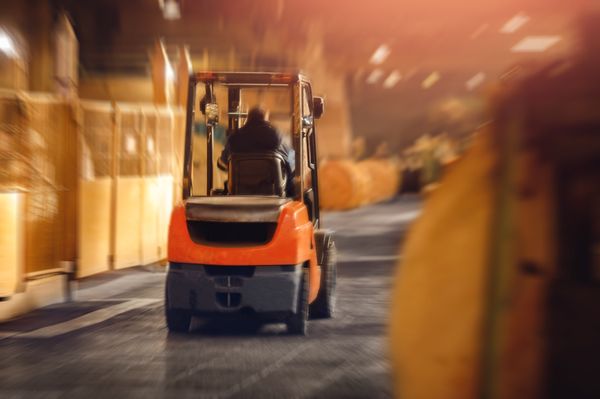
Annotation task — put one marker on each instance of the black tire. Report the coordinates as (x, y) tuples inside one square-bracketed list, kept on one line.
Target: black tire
[(297, 323), (178, 320), (324, 306)]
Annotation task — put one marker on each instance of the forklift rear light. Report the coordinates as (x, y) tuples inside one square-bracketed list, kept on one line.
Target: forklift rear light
[(281, 78), (206, 76)]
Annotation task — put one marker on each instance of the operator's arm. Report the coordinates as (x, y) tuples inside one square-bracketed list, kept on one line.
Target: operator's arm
[(290, 161), (223, 161), (288, 152), (290, 157)]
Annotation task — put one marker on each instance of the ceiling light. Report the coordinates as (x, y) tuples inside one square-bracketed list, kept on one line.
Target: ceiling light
[(130, 144), (169, 73), (374, 76), (515, 23), (7, 45), (535, 44), (380, 55), (392, 79), (475, 81), (171, 10), (511, 73), (431, 80)]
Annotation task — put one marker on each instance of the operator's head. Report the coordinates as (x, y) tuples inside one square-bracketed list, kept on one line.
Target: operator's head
[(257, 114)]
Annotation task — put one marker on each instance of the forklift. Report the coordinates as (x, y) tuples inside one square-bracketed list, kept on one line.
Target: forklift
[(250, 247)]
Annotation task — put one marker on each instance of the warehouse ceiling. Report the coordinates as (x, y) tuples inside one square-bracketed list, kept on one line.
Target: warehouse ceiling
[(406, 61)]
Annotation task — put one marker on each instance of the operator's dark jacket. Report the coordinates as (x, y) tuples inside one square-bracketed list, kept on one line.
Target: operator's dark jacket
[(258, 136)]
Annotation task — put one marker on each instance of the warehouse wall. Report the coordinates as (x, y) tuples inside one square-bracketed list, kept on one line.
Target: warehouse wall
[(84, 183), (11, 242), (127, 184), (38, 145), (334, 128), (116, 88), (37, 158)]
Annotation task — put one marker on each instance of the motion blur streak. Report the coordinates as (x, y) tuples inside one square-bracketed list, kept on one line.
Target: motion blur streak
[(444, 199)]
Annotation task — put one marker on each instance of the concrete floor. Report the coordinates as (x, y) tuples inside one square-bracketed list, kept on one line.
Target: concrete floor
[(111, 342)]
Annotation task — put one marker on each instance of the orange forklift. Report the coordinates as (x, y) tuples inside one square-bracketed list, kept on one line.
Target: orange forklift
[(248, 247)]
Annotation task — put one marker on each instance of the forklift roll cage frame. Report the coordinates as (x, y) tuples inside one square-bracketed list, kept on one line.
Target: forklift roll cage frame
[(303, 127)]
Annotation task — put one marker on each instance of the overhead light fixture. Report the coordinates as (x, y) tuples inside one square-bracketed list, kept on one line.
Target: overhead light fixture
[(374, 76), (430, 80), (169, 73), (380, 55), (7, 45), (171, 10), (392, 79), (150, 145), (511, 73), (130, 144), (535, 44), (515, 23), (475, 81)]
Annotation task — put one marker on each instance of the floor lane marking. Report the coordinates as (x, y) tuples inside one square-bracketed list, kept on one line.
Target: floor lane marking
[(89, 319), (7, 334)]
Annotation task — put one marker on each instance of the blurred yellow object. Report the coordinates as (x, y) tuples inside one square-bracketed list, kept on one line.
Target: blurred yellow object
[(383, 179), (94, 189), (13, 73), (437, 304), (345, 184), (497, 295), (128, 230), (342, 185), (93, 226), (11, 242), (150, 210), (37, 154)]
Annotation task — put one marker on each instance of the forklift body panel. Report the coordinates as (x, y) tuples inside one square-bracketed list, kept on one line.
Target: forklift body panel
[(256, 252)]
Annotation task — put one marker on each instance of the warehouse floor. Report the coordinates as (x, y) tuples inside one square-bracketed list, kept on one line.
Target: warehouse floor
[(111, 341)]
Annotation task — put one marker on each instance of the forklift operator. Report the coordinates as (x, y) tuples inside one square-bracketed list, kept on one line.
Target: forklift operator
[(258, 135)]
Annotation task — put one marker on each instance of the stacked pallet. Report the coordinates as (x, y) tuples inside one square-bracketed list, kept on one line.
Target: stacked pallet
[(346, 184), (384, 178), (342, 185)]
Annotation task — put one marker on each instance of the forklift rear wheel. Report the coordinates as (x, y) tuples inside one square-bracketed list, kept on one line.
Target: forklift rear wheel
[(297, 323), (324, 306), (178, 320)]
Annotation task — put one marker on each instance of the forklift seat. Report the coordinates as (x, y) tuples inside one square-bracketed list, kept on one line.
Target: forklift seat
[(257, 174)]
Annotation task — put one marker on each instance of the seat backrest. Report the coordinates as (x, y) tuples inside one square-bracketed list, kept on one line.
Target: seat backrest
[(257, 174)]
